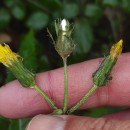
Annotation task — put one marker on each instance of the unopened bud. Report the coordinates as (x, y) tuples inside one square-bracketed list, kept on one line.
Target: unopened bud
[(64, 24), (102, 75), (64, 44)]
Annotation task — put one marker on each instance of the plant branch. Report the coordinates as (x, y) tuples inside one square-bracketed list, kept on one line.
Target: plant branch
[(65, 85), (45, 96), (77, 105)]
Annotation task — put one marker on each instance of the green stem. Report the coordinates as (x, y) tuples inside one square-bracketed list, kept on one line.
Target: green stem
[(65, 85), (40, 6), (77, 105), (45, 96)]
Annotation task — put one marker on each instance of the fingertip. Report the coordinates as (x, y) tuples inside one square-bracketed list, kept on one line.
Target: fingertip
[(46, 122)]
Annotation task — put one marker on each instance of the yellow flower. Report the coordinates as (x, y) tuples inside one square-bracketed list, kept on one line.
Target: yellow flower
[(116, 49), (102, 74), (6, 55), (14, 64)]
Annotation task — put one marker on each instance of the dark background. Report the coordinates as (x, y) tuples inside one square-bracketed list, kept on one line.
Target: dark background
[(98, 24)]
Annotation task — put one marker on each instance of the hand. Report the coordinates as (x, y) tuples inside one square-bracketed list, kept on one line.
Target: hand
[(16, 101)]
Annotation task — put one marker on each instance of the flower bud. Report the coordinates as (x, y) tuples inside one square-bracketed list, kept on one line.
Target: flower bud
[(14, 63), (102, 75), (64, 24), (116, 49), (64, 44)]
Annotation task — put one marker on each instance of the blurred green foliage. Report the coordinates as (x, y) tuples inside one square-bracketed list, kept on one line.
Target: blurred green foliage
[(24, 23)]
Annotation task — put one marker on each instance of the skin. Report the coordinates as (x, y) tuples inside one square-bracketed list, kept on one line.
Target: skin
[(18, 102)]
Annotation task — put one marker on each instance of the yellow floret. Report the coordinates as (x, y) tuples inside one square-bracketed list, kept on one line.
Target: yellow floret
[(6, 55), (116, 49)]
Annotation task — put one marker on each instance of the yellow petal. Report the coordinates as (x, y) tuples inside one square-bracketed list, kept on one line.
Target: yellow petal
[(6, 55), (116, 49)]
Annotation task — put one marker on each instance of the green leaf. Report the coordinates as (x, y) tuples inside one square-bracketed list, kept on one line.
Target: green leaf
[(101, 111), (4, 123), (4, 18), (9, 3), (18, 12), (44, 64), (14, 125), (126, 5), (19, 124), (83, 37), (37, 20), (70, 10), (28, 50), (92, 10), (16, 7), (10, 77), (112, 3)]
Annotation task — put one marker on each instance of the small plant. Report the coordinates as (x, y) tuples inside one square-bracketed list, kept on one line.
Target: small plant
[(64, 45)]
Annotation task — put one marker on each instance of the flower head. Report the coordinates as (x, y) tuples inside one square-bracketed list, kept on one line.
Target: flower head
[(14, 64), (6, 55), (64, 44), (102, 74), (116, 49)]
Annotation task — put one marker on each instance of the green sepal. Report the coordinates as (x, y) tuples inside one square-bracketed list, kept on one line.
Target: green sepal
[(102, 74), (24, 76), (64, 44), (57, 112)]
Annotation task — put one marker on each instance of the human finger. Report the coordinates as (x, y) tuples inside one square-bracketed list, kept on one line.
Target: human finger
[(42, 122), (27, 102)]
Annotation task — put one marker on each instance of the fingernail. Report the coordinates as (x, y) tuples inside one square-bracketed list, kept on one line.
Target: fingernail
[(45, 122)]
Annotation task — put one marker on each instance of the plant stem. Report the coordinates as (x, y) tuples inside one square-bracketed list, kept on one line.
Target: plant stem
[(45, 96), (65, 85), (77, 105), (40, 6)]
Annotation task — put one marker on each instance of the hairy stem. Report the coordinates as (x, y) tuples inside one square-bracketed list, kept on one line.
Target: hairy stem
[(77, 105), (45, 96), (65, 85)]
